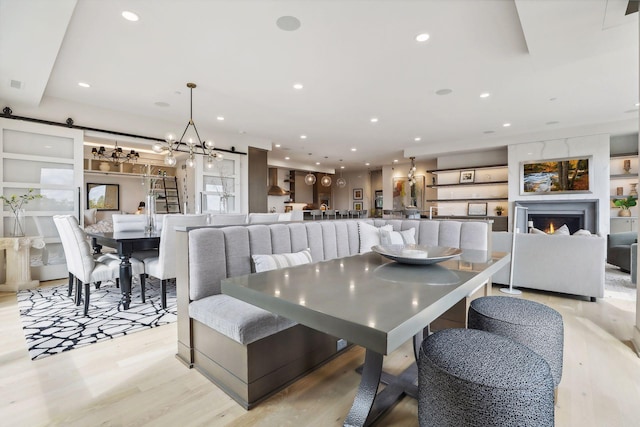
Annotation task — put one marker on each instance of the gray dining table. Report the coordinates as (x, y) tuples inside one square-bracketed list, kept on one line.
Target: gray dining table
[(373, 302)]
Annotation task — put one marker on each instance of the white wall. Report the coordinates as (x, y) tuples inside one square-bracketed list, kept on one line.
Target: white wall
[(594, 146)]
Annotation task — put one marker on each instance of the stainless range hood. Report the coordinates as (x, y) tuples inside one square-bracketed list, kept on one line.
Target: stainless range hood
[(274, 190)]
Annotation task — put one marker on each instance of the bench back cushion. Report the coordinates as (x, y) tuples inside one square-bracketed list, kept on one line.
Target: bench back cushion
[(218, 253)]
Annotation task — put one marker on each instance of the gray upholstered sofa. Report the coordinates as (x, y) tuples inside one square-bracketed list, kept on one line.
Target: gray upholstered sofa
[(251, 353)]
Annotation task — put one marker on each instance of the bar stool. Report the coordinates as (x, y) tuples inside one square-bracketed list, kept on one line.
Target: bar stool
[(328, 213), (343, 213), (468, 377), (316, 212)]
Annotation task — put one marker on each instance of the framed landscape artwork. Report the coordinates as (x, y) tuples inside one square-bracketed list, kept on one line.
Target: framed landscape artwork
[(103, 197), (556, 176)]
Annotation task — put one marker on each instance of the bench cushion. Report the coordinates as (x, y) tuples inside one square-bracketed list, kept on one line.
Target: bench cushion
[(242, 322)]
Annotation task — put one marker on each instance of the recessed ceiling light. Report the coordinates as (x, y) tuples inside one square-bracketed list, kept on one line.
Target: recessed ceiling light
[(422, 37), (288, 23), (637, 104), (443, 92), (506, 125), (303, 136), (417, 139), (342, 167), (367, 164), (220, 118), (83, 84), (161, 104), (287, 158), (298, 86), (277, 145), (485, 95), (48, 146), (354, 149), (130, 16), (395, 160), (317, 163), (374, 120)]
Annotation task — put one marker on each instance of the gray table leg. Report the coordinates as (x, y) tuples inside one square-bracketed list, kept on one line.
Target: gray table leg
[(366, 391)]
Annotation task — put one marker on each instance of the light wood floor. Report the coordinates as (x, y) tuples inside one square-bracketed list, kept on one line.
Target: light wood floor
[(136, 380)]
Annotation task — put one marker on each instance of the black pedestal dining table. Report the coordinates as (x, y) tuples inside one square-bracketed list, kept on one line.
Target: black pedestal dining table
[(125, 243)]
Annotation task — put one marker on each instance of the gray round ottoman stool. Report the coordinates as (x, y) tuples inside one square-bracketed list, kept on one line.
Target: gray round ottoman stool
[(530, 323), (468, 377)]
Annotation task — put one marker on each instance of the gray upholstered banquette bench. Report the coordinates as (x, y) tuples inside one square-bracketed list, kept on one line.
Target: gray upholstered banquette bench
[(251, 353)]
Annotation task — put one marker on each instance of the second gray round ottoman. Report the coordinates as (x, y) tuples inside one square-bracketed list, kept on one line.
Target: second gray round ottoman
[(468, 377), (535, 325)]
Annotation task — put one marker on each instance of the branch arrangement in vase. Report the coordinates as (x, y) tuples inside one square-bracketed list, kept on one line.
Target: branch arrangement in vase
[(16, 203)]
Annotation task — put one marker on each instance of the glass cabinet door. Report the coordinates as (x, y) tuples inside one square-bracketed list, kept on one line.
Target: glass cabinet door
[(47, 159)]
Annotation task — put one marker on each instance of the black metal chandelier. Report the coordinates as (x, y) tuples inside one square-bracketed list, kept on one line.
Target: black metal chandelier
[(171, 143), (116, 155)]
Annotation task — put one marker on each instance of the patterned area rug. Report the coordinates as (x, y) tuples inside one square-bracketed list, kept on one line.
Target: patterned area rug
[(618, 284), (52, 323)]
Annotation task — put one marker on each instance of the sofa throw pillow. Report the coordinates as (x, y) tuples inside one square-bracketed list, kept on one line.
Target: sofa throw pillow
[(276, 261), (562, 231), (398, 237), (536, 231), (90, 216), (582, 232), (370, 235)]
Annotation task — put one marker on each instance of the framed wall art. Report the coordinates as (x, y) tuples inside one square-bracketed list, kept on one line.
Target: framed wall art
[(103, 197), (406, 195), (467, 176), (357, 206), (479, 209), (557, 176), (357, 194)]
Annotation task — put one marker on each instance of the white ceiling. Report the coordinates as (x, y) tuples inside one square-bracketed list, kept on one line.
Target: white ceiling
[(574, 62)]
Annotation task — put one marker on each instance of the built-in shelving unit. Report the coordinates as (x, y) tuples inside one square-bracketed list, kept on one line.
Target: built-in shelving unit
[(291, 179), (460, 192), (623, 184)]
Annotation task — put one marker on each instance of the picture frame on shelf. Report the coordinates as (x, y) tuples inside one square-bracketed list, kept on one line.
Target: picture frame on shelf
[(467, 176), (477, 209), (357, 194), (357, 206)]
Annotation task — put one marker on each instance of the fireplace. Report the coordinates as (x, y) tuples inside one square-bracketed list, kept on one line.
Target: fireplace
[(576, 214), (551, 222)]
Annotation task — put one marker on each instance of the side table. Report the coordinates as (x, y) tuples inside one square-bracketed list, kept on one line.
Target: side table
[(18, 262)]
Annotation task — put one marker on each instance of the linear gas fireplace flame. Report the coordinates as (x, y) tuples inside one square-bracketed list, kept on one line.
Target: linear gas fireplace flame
[(549, 216)]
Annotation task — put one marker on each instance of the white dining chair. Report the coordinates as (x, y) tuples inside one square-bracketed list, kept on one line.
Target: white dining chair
[(124, 223), (163, 266), (82, 264)]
